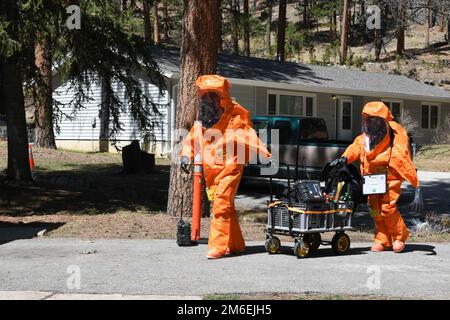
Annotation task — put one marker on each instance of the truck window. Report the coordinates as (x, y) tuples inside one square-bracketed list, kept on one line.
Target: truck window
[(284, 129), (313, 129), (260, 125), (309, 106)]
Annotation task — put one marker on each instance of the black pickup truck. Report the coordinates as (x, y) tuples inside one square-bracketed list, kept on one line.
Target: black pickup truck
[(303, 146)]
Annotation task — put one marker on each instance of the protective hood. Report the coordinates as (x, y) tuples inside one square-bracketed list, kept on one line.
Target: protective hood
[(399, 158), (219, 85), (378, 109), (375, 126)]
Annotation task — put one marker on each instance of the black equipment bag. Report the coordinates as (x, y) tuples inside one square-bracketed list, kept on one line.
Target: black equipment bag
[(350, 175), (308, 191), (184, 233)]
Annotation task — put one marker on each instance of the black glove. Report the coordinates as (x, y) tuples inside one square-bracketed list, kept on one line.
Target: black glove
[(185, 164), (339, 163)]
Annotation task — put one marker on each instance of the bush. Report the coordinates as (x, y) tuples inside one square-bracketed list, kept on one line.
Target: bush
[(408, 122), (442, 135), (433, 224)]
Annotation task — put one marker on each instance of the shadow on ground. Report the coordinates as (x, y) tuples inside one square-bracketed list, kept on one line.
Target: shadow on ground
[(86, 190), (18, 231)]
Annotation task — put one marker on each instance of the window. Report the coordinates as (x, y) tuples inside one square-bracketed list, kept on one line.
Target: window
[(346, 115), (313, 129), (429, 116), (395, 107), (260, 125), (291, 105), (272, 104), (284, 131), (286, 103)]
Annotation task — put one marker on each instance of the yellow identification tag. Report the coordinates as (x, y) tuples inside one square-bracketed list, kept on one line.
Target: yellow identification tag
[(210, 194)]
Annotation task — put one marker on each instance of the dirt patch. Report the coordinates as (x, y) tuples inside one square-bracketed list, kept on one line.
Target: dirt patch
[(68, 182), (144, 225)]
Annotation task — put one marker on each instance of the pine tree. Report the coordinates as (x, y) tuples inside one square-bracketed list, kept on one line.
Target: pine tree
[(198, 57), (246, 29), (11, 93), (102, 49), (401, 27), (345, 31), (281, 39), (269, 11)]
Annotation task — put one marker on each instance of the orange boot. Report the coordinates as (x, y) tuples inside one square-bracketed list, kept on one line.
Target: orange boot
[(377, 247), (398, 246)]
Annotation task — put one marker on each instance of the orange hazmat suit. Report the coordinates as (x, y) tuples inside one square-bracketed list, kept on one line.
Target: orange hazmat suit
[(225, 149), (390, 156)]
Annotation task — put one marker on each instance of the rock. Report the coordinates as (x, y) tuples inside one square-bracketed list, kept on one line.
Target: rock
[(411, 56)]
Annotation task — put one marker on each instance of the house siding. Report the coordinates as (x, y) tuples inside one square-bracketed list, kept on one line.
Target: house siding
[(80, 126), (75, 132), (130, 126), (244, 95), (326, 109)]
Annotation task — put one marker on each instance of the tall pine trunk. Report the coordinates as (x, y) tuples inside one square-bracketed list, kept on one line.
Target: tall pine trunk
[(147, 22), (401, 28), (198, 57), (305, 13), (344, 35), (219, 27), (166, 19), (281, 30), (378, 45), (105, 115), (235, 24), (11, 97), (156, 35), (332, 32), (45, 136), (246, 29), (269, 27), (429, 17)]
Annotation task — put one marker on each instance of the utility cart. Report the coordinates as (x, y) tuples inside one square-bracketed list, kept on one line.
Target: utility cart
[(306, 220)]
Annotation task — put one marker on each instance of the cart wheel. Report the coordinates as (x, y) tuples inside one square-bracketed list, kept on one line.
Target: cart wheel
[(313, 240), (301, 249), (340, 243), (273, 245)]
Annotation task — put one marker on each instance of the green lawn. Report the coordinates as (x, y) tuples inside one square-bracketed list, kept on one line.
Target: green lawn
[(433, 158)]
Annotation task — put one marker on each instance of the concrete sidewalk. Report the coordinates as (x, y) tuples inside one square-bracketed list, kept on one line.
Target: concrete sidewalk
[(42, 295), (151, 269)]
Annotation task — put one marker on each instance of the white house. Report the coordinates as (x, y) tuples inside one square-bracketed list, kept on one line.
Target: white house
[(267, 87)]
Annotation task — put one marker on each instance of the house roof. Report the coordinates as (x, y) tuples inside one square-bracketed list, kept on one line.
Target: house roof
[(297, 76)]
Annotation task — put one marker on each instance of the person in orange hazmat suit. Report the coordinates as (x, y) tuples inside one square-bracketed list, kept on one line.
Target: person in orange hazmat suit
[(383, 147), (223, 128)]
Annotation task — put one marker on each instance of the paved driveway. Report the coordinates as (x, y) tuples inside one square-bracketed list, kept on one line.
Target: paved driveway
[(160, 267)]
